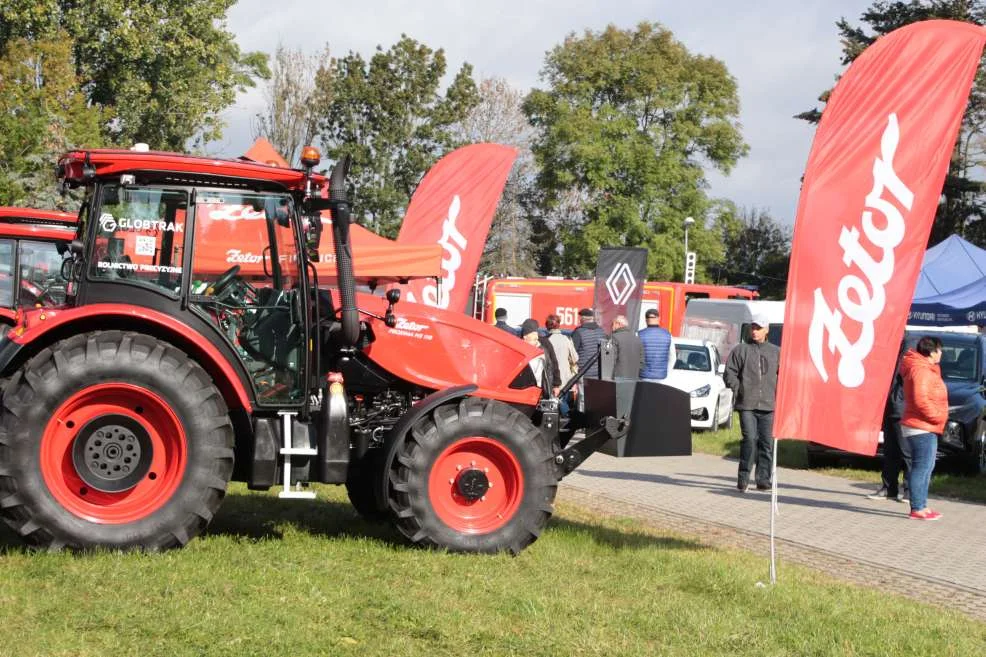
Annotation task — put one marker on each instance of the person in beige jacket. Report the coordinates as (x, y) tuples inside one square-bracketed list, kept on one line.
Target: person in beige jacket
[(565, 354)]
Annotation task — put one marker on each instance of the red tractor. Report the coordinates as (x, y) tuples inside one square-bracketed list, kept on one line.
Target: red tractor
[(32, 243), (127, 410)]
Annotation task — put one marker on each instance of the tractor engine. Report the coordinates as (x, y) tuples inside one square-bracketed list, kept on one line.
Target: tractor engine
[(372, 415)]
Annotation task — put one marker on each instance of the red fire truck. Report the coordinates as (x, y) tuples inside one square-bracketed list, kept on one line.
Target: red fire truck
[(540, 297)]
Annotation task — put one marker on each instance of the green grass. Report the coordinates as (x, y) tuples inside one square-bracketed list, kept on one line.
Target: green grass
[(947, 481), (294, 578)]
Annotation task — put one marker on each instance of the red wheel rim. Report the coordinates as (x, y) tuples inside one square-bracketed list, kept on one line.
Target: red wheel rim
[(168, 455), (500, 501)]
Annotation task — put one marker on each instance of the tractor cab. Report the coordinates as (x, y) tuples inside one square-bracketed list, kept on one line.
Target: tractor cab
[(32, 242), (220, 249)]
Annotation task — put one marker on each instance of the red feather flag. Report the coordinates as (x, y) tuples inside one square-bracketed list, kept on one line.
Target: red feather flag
[(870, 192)]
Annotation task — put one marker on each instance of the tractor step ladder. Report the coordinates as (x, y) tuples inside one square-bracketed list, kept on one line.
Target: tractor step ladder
[(290, 450)]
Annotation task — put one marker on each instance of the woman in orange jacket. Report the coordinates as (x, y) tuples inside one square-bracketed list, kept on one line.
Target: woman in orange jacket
[(923, 420)]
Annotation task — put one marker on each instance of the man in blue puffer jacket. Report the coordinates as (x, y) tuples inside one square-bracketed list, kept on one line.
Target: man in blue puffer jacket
[(659, 352)]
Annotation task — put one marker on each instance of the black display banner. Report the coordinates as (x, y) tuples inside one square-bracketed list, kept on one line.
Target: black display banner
[(620, 274)]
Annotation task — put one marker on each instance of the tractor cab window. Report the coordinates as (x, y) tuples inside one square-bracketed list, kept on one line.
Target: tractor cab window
[(138, 237), (245, 275), (41, 281)]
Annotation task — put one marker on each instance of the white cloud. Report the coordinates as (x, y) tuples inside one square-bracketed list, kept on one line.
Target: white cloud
[(782, 53)]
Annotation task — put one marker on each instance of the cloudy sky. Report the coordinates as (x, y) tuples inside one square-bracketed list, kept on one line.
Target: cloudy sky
[(782, 54)]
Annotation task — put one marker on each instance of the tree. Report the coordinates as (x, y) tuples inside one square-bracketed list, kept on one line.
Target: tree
[(962, 208), (389, 116), (498, 118), (756, 251), (290, 118), (43, 112), (162, 70), (626, 127)]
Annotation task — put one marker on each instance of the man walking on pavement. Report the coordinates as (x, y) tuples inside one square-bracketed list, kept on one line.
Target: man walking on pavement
[(751, 373), (659, 353), (628, 359)]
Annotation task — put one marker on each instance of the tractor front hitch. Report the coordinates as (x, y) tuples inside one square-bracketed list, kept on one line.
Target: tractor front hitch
[(611, 428)]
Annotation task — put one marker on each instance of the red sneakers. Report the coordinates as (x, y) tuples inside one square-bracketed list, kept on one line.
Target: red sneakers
[(926, 514)]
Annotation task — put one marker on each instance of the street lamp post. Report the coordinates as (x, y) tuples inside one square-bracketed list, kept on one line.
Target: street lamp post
[(688, 222)]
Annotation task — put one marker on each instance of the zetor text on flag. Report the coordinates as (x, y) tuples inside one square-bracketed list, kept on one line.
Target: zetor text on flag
[(870, 192), (454, 207)]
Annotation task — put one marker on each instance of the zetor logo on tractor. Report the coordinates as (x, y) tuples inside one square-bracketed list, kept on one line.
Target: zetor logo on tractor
[(167, 373)]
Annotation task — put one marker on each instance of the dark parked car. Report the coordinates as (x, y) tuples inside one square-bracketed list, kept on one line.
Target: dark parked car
[(963, 367)]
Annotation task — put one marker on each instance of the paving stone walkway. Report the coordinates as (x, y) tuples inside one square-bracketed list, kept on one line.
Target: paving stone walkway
[(825, 522)]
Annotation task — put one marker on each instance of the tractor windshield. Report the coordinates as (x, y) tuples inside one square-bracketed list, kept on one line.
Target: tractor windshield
[(139, 235)]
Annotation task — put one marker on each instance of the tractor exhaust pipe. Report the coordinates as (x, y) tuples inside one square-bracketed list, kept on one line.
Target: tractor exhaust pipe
[(339, 204)]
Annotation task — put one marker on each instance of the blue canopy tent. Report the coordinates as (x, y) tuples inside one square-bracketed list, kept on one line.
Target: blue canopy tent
[(951, 289)]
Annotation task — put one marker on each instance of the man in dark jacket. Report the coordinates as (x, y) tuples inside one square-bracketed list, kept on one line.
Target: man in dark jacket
[(659, 353), (543, 370), (893, 460), (751, 373), (628, 352), (587, 337), (501, 322)]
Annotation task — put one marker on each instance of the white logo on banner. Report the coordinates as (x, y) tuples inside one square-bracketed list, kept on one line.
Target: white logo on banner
[(242, 257), (621, 284), (454, 243), (870, 299)]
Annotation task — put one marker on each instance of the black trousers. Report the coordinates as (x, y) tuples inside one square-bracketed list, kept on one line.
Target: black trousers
[(757, 428), (893, 459)]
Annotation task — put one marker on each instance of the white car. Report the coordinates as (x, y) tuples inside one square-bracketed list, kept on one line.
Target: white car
[(698, 371)]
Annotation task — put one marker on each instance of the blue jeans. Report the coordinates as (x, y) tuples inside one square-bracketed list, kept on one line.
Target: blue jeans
[(757, 446), (919, 454)]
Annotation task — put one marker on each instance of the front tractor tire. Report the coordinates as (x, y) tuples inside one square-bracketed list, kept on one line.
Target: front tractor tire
[(476, 476), (112, 439)]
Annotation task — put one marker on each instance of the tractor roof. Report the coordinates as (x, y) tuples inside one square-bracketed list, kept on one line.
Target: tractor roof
[(36, 224), (34, 215), (82, 166)]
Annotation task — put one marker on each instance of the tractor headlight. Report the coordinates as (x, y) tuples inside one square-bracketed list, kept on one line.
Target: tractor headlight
[(702, 392)]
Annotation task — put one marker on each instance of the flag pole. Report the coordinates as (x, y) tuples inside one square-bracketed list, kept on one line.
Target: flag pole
[(773, 513)]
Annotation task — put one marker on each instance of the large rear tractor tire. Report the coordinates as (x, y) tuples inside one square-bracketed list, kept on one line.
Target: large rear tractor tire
[(112, 439), (475, 476)]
